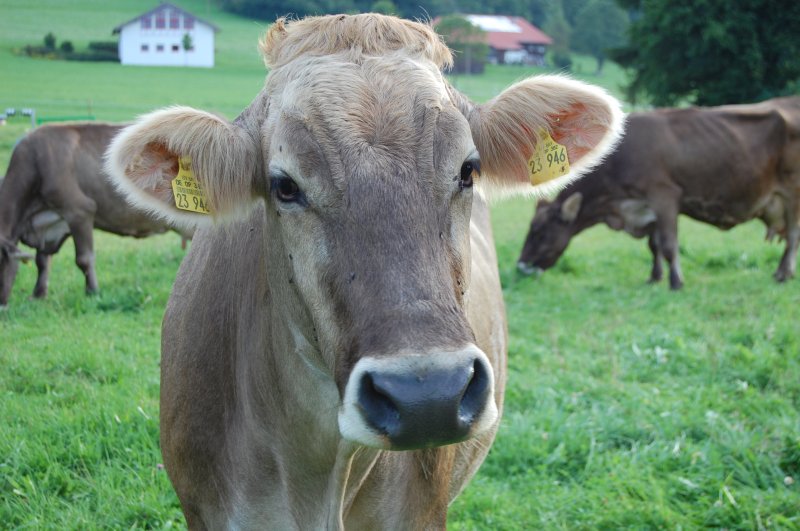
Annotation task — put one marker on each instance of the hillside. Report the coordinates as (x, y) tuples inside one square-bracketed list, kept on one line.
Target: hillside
[(110, 91)]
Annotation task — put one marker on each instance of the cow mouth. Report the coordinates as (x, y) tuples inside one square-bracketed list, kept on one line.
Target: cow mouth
[(528, 269)]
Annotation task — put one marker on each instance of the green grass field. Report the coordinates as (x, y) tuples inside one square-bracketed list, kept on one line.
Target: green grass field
[(628, 406)]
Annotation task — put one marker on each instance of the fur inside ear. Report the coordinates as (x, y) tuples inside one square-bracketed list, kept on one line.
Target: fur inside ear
[(583, 118), (143, 159), (571, 207)]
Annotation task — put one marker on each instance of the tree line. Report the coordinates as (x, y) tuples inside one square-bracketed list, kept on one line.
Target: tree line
[(707, 52)]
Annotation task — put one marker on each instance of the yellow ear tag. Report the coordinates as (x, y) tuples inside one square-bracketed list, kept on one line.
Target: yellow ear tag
[(186, 190), (549, 160)]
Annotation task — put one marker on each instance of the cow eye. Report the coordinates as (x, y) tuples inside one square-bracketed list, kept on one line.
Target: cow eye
[(469, 170), (286, 190)]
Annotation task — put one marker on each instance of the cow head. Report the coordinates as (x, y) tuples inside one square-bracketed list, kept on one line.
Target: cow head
[(10, 257), (368, 163), (551, 229)]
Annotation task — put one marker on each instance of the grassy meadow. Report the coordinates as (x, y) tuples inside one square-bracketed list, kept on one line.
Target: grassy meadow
[(627, 407)]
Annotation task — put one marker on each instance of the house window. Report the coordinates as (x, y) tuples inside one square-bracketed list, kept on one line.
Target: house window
[(159, 47), (145, 48), (174, 20), (188, 22), (147, 22), (175, 48), (161, 22)]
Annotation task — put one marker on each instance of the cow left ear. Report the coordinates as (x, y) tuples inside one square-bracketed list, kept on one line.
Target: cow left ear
[(541, 133), (185, 165), (571, 207)]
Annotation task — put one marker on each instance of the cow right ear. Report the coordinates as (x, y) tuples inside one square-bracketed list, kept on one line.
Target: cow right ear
[(541, 133), (571, 207), (185, 165)]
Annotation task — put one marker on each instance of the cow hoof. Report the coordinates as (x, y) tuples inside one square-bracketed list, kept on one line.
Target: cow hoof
[(528, 269)]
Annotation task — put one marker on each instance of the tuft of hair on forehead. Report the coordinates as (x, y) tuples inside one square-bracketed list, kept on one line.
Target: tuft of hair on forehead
[(368, 34)]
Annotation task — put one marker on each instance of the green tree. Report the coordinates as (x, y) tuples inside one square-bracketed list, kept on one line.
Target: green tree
[(271, 9), (50, 41), (600, 25), (467, 41), (532, 10), (572, 8), (557, 27), (386, 7), (712, 52)]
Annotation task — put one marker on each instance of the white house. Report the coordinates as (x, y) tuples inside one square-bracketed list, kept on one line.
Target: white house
[(166, 36)]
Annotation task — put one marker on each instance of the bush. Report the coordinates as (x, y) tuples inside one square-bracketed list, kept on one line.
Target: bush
[(39, 51), (562, 61), (93, 56), (98, 51), (50, 41), (468, 43), (104, 46)]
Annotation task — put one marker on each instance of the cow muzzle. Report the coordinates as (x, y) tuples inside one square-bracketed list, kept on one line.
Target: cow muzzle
[(412, 401), (529, 269)]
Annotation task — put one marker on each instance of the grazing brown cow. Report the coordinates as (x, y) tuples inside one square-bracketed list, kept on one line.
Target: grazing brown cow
[(56, 187), (356, 309), (721, 165)]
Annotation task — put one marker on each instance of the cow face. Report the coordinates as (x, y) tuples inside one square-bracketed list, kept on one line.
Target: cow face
[(551, 230), (371, 198), (368, 162)]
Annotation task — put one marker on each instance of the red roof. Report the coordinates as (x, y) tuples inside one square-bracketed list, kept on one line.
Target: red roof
[(509, 33)]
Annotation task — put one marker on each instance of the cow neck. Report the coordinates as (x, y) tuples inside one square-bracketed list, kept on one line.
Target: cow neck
[(10, 212), (594, 210)]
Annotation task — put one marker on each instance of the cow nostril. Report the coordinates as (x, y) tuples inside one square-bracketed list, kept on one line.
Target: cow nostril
[(475, 394), (378, 408)]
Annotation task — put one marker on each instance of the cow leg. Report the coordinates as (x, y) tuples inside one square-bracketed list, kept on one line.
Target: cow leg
[(81, 229), (84, 257), (788, 263), (667, 230), (68, 200), (657, 272), (43, 268)]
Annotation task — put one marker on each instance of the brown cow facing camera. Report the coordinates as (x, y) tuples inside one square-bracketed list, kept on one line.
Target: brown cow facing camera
[(55, 187), (334, 348), (720, 165)]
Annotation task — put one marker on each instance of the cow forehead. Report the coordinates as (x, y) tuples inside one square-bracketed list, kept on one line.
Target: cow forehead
[(323, 76), (351, 98), (384, 110)]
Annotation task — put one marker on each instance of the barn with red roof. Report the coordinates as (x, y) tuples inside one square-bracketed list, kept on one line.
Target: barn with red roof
[(512, 40)]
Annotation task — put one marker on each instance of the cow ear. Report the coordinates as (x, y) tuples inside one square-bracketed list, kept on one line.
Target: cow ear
[(571, 207), (214, 163), (541, 133)]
